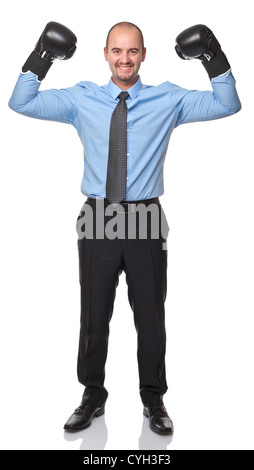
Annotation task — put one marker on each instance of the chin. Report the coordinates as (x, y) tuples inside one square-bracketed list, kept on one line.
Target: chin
[(127, 78)]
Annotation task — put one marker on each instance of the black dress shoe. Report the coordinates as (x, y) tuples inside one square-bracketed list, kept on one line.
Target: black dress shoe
[(159, 421), (83, 416)]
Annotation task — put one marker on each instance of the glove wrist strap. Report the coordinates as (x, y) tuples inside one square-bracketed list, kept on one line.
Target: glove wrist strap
[(217, 65), (38, 65)]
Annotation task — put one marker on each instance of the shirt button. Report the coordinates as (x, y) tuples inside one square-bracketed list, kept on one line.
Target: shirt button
[(127, 178), (128, 130), (128, 154)]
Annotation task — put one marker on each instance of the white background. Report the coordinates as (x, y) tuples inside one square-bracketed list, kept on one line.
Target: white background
[(208, 201)]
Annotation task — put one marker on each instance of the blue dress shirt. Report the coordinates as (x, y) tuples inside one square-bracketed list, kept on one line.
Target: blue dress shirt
[(153, 113)]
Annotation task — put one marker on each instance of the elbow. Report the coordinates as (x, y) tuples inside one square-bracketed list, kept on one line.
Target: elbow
[(237, 108), (233, 109)]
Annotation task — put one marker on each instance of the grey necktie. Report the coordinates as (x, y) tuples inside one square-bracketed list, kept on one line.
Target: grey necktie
[(117, 157)]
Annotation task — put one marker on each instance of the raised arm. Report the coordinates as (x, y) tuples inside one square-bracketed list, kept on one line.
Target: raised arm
[(56, 41), (198, 42)]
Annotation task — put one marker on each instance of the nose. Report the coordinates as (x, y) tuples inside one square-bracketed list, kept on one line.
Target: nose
[(124, 58)]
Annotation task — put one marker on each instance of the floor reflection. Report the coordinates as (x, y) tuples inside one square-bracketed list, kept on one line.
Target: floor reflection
[(150, 440), (92, 438), (95, 437)]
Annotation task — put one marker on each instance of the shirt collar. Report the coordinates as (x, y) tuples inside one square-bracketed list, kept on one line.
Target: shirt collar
[(133, 91)]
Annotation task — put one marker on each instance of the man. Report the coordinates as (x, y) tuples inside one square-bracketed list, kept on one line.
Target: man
[(125, 128)]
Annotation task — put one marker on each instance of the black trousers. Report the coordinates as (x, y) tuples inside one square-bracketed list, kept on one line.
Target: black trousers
[(144, 262)]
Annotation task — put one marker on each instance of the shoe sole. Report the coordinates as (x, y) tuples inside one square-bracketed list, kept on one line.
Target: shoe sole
[(96, 415), (155, 429)]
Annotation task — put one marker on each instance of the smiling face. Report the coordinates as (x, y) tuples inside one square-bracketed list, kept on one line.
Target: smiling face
[(124, 54)]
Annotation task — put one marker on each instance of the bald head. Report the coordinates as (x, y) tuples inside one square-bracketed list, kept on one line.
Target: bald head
[(124, 52), (125, 25)]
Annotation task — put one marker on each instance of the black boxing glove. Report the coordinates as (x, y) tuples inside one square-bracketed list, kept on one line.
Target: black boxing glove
[(199, 42), (56, 42)]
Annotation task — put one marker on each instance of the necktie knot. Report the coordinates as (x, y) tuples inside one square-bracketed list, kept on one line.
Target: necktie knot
[(123, 95)]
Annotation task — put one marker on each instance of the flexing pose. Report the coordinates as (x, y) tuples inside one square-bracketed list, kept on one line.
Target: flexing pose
[(125, 127)]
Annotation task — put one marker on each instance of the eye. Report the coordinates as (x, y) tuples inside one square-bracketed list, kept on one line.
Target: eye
[(134, 52)]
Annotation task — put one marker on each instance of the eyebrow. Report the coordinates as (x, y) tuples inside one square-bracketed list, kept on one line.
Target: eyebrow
[(119, 49)]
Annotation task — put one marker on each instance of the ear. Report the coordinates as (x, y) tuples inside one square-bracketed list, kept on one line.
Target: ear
[(106, 54), (143, 54)]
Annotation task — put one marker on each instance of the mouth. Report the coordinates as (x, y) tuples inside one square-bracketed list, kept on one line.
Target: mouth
[(125, 68)]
